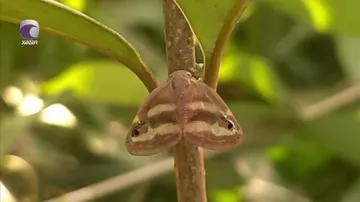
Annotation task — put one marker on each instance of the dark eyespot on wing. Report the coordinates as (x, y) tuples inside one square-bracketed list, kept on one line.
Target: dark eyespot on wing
[(228, 137), (138, 129), (139, 141), (230, 125), (135, 132)]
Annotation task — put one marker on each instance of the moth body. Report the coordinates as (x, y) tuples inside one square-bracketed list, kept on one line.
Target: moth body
[(183, 107)]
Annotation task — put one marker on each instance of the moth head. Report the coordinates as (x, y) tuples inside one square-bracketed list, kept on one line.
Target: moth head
[(180, 80), (180, 73)]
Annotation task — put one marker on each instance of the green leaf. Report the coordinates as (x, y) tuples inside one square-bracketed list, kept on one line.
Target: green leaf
[(277, 153), (212, 22), (324, 15), (68, 23), (99, 81), (225, 196), (348, 51), (353, 193), (79, 5), (255, 72), (298, 156), (263, 124), (222, 182), (339, 132), (11, 127)]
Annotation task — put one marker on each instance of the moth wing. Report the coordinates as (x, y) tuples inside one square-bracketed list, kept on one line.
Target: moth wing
[(155, 127), (210, 122)]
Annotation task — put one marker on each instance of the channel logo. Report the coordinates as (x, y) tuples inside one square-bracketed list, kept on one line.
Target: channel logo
[(29, 31)]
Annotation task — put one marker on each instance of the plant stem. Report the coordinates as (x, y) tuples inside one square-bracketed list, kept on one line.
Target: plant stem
[(180, 49), (179, 39)]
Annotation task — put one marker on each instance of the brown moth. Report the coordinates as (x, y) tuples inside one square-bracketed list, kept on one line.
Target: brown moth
[(183, 107)]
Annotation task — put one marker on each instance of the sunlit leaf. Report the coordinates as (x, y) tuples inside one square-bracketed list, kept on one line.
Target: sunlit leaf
[(252, 71), (225, 196), (101, 81), (324, 15), (277, 153), (263, 79), (66, 22), (320, 12), (229, 67), (79, 5)]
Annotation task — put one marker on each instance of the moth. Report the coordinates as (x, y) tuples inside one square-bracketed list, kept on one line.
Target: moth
[(183, 107)]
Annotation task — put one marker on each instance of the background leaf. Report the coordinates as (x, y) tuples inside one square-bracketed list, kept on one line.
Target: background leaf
[(275, 67), (348, 50), (207, 18), (340, 132), (11, 127), (60, 19), (95, 80), (324, 15), (254, 72), (353, 194), (212, 23)]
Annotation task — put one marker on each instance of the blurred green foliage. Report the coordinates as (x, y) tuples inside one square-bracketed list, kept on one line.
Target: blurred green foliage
[(283, 56)]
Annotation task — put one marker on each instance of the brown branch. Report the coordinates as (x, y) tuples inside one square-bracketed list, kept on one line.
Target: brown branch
[(331, 103), (179, 38), (119, 182), (180, 49), (122, 181)]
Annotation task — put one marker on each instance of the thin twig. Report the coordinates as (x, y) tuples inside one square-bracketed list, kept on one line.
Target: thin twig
[(179, 38), (212, 64), (331, 103), (180, 50), (122, 181)]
